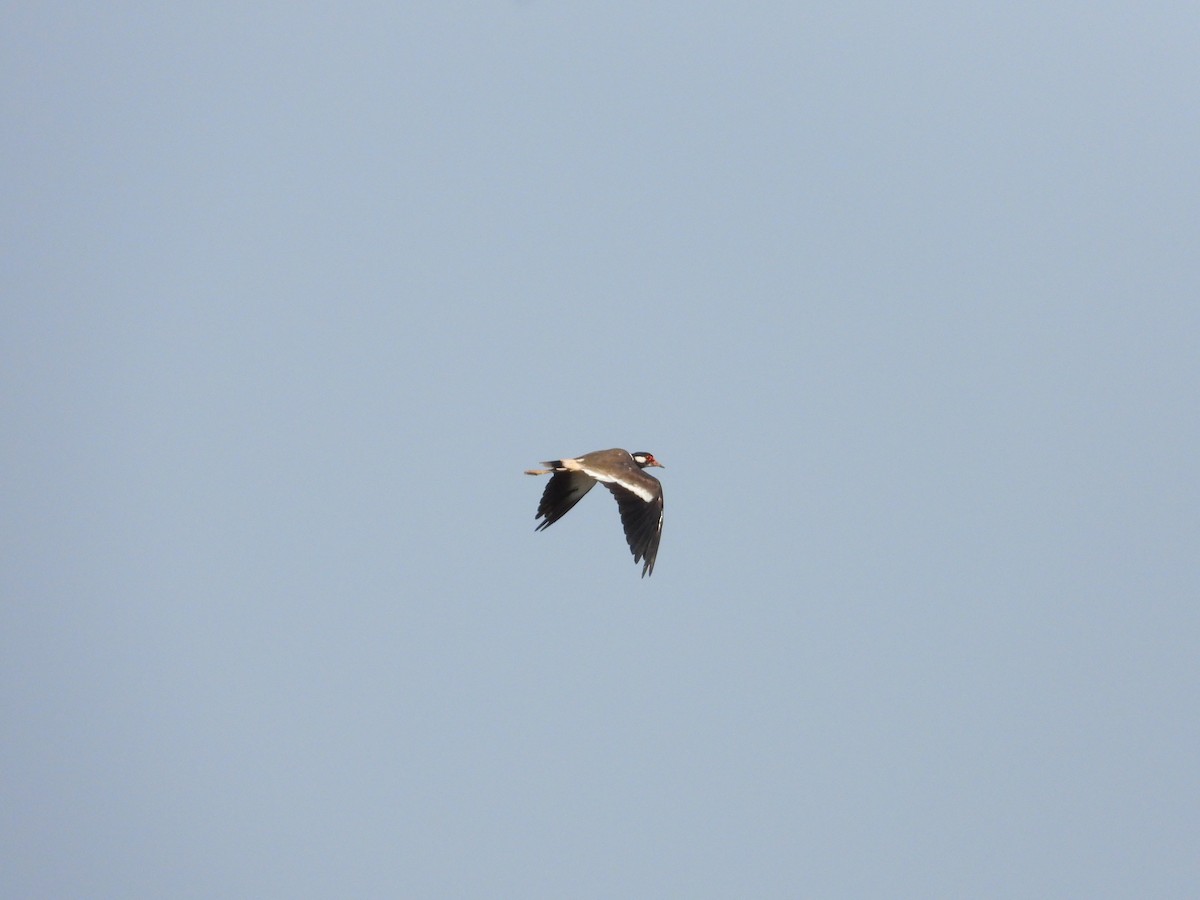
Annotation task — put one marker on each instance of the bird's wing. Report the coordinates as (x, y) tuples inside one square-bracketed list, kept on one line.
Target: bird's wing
[(640, 499), (564, 490)]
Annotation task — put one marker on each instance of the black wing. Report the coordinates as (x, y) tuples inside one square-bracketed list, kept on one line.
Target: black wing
[(642, 520), (563, 492)]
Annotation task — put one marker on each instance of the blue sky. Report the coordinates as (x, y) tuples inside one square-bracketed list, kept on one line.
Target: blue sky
[(905, 299)]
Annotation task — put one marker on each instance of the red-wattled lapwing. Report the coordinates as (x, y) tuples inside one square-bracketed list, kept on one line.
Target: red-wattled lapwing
[(640, 496)]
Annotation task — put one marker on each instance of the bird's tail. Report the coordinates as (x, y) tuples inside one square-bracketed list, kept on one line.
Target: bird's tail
[(552, 465)]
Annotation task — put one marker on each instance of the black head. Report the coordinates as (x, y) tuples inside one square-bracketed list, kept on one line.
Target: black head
[(646, 460)]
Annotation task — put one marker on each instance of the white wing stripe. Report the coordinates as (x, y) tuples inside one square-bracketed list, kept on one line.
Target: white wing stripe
[(632, 486)]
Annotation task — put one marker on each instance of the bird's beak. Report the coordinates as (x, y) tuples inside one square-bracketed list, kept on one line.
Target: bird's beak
[(657, 464)]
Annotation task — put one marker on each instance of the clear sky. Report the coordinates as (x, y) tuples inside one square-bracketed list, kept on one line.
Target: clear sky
[(906, 297)]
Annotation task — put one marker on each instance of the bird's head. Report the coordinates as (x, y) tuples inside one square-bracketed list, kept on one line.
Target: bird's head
[(646, 460)]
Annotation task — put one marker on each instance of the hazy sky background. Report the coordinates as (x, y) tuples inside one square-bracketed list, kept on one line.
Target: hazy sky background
[(906, 298)]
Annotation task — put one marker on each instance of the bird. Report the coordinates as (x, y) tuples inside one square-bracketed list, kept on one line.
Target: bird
[(639, 495)]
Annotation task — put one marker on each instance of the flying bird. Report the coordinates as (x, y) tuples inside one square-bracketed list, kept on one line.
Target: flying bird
[(639, 496)]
